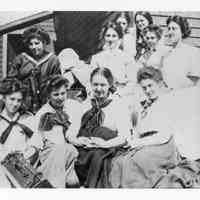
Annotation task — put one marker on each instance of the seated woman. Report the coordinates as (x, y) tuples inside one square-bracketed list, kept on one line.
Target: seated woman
[(120, 63), (142, 20), (181, 65), (34, 66), (128, 43), (16, 130), (153, 151), (104, 129), (156, 50), (52, 122)]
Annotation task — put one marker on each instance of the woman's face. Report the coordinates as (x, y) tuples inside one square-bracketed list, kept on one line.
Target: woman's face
[(174, 33), (150, 87), (36, 47), (100, 86), (58, 97), (111, 38), (122, 22), (141, 22), (151, 39), (13, 102)]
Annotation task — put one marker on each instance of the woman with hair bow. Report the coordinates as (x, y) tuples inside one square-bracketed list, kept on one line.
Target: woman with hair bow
[(54, 122)]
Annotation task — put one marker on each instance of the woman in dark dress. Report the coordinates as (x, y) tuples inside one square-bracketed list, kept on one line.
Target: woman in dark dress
[(101, 133), (34, 66), (142, 20)]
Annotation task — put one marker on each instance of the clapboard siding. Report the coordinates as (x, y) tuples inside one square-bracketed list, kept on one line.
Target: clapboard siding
[(193, 19), (1, 55)]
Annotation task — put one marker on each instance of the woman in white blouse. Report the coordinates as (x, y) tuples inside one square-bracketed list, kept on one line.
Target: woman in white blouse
[(16, 125), (181, 65), (112, 57)]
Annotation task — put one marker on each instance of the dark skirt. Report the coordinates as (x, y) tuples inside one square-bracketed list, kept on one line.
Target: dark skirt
[(93, 165)]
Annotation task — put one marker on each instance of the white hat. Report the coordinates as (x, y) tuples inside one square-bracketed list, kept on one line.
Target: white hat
[(68, 58)]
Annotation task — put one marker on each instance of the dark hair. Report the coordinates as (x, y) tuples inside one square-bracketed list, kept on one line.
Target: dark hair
[(145, 14), (36, 32), (155, 29), (124, 15), (182, 22), (106, 73), (10, 85), (149, 73), (54, 82), (114, 26)]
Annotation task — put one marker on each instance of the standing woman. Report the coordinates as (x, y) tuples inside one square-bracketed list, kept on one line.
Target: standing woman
[(52, 122), (35, 65), (16, 130), (142, 20), (112, 57), (181, 65), (104, 129)]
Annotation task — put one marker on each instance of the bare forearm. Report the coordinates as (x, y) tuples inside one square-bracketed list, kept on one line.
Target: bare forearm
[(151, 140), (115, 142)]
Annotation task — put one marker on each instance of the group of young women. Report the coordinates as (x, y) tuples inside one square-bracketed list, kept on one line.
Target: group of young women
[(106, 141)]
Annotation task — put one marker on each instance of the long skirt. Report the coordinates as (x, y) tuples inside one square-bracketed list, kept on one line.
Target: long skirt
[(144, 167), (93, 165), (57, 164)]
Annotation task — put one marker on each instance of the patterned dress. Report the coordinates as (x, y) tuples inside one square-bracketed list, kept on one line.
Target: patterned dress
[(33, 73)]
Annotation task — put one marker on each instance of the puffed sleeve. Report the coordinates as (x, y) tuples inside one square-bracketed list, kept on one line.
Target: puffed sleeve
[(36, 139), (194, 71), (75, 111), (54, 65)]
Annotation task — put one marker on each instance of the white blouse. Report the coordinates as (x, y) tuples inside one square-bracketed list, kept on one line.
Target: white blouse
[(116, 117), (181, 62), (120, 64), (17, 139)]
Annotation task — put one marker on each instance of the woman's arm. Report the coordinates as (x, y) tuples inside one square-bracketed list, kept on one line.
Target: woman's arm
[(123, 126), (157, 138), (101, 143)]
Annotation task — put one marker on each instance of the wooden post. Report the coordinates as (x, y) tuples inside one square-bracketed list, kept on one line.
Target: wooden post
[(4, 63)]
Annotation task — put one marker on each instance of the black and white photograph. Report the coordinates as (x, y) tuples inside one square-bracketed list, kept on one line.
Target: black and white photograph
[(100, 99)]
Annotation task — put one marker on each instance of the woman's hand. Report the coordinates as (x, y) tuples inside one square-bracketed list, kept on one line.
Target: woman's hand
[(98, 142), (30, 151), (134, 143), (83, 141)]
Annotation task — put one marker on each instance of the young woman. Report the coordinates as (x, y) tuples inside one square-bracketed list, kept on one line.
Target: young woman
[(156, 50), (16, 124), (153, 150), (161, 155), (35, 65), (128, 43), (52, 122), (104, 129), (181, 65), (120, 63), (142, 20)]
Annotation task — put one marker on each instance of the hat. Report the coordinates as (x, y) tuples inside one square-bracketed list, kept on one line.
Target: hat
[(68, 58)]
